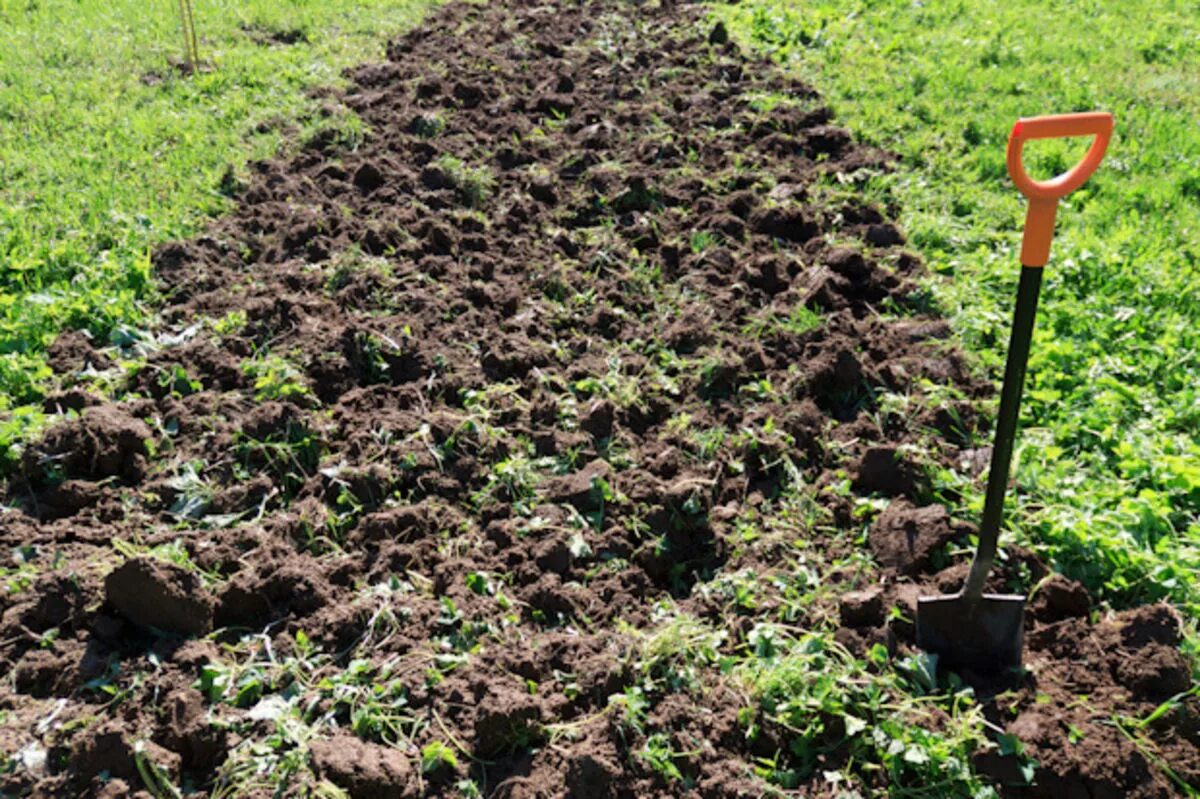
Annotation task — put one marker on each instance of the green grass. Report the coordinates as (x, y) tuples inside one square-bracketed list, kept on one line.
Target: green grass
[(106, 149), (1109, 465)]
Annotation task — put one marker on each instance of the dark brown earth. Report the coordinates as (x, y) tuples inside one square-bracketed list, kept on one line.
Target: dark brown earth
[(464, 432)]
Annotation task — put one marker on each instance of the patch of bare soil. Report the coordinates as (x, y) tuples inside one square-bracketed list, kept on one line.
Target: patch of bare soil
[(592, 290)]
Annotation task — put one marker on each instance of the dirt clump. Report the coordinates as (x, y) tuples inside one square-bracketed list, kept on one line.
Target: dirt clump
[(1057, 598), (906, 538), (363, 770), (107, 750), (885, 470), (74, 351), (104, 441), (151, 593)]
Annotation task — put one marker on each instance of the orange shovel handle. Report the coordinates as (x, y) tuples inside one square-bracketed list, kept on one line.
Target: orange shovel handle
[(1044, 194)]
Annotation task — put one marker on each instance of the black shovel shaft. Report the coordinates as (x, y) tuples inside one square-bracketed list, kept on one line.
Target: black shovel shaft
[(1006, 429)]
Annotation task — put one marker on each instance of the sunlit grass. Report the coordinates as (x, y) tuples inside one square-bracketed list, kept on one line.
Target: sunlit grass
[(106, 148), (1109, 469)]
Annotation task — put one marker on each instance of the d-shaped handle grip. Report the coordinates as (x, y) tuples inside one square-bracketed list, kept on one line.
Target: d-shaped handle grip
[(1044, 194)]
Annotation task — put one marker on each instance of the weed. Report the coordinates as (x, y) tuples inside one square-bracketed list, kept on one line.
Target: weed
[(672, 655), (638, 197), (799, 320), (173, 552), (291, 454), (437, 757), (194, 492), (231, 323), (429, 125), (276, 378), (187, 24), (22, 424), (823, 700), (154, 777), (157, 145), (376, 354), (1112, 488), (300, 696), (342, 130), (702, 240), (658, 755), (176, 381), (621, 389), (514, 479), (1134, 731), (474, 184), (19, 578), (348, 263)]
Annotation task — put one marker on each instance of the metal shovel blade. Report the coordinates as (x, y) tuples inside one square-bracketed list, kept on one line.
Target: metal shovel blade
[(984, 635)]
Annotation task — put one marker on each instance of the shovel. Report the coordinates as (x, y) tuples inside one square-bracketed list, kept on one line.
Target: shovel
[(972, 630)]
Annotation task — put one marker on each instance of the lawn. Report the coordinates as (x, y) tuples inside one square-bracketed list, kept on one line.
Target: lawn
[(1109, 464), (106, 149)]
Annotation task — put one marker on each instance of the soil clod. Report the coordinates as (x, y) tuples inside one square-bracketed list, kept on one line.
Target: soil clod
[(151, 593)]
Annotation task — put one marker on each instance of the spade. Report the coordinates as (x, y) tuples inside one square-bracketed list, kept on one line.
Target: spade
[(972, 630)]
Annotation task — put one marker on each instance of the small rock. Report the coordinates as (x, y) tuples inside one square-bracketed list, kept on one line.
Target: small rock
[(1028, 727), (1001, 769), (394, 524), (429, 88), (425, 125), (42, 672), (549, 596), (106, 628), (905, 596), (598, 135), (553, 556), (1149, 624), (69, 497), (784, 222), (162, 595), (74, 399), (105, 441), (555, 104), (767, 273), (434, 177), (827, 139), (115, 789), (73, 351), (59, 599), (241, 603), (468, 94)]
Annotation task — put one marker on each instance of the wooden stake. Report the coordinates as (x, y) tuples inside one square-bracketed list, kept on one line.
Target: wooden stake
[(191, 49)]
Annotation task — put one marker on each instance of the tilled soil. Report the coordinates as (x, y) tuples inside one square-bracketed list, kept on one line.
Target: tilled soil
[(458, 409)]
